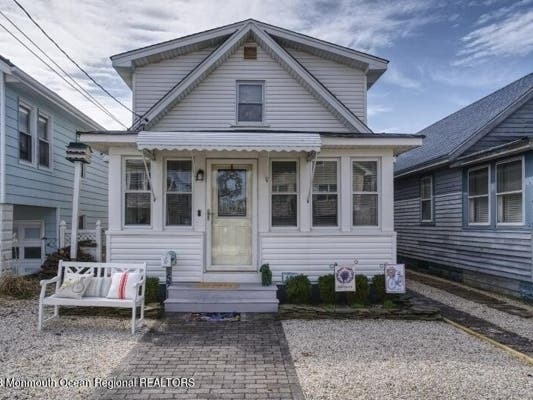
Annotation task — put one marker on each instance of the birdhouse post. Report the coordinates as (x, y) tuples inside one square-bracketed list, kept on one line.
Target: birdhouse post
[(77, 153)]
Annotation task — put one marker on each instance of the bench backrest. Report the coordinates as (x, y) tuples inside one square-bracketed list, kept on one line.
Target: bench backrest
[(97, 269)]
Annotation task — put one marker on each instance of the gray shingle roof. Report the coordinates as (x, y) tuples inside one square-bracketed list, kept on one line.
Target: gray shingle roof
[(446, 135)]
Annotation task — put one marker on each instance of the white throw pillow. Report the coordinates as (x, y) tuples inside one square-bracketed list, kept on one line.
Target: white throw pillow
[(73, 286), (98, 287), (123, 285)]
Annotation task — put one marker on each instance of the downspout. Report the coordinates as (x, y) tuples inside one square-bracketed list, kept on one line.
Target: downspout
[(2, 138)]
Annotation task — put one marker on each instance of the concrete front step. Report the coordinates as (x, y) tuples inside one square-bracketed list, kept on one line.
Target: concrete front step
[(246, 297)]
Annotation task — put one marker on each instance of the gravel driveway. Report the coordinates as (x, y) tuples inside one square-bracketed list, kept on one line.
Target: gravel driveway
[(513, 323), (72, 347), (379, 359)]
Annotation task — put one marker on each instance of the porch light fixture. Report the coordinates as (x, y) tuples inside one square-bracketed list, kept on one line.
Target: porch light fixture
[(200, 175)]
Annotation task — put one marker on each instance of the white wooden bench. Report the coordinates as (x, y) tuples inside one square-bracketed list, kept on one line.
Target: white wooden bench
[(98, 270)]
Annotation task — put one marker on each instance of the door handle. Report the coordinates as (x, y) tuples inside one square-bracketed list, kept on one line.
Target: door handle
[(208, 214)]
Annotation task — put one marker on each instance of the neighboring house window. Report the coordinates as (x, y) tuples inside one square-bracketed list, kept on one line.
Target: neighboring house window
[(478, 195), (82, 172), (81, 222), (509, 186), (179, 192), (325, 194), (284, 193), (249, 102), (137, 196), (426, 198), (365, 192), (44, 141), (25, 139)]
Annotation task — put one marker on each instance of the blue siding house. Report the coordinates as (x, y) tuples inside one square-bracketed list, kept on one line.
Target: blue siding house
[(35, 178), (464, 200)]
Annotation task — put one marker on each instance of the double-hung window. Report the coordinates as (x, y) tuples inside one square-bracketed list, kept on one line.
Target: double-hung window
[(284, 193), (44, 141), (25, 138), (365, 193), (250, 102), (478, 196), (426, 198), (137, 195), (179, 192), (509, 192), (325, 195)]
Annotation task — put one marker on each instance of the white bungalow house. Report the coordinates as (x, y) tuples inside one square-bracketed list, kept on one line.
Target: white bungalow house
[(249, 146)]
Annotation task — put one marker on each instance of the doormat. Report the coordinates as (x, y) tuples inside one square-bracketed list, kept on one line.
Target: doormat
[(217, 285), (216, 317)]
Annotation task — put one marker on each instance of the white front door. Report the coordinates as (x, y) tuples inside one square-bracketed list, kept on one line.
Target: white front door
[(30, 248), (230, 219)]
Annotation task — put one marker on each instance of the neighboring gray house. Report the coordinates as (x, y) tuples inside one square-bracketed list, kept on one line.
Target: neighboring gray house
[(35, 178), (464, 200)]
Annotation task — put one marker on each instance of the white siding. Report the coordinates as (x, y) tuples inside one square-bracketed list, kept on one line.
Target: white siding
[(149, 247), (212, 104), (6, 234), (347, 84), (312, 254), (153, 81)]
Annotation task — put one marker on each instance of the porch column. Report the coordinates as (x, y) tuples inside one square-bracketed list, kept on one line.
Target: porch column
[(387, 192), (157, 171), (345, 191), (115, 194), (263, 193)]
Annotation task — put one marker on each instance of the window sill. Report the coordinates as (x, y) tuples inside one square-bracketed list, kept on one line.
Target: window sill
[(25, 163), (427, 223)]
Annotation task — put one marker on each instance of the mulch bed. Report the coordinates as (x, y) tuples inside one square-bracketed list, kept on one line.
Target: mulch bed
[(405, 310)]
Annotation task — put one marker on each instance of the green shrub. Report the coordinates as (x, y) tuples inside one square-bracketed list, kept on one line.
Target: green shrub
[(298, 289), (19, 287), (378, 284), (389, 304), (362, 289), (151, 295), (266, 275), (326, 286)]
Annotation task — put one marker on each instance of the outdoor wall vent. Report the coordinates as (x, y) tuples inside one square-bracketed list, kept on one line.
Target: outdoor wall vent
[(250, 52)]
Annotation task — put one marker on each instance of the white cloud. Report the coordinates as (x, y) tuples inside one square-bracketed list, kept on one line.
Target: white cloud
[(92, 30), (512, 36), (396, 77), (378, 109)]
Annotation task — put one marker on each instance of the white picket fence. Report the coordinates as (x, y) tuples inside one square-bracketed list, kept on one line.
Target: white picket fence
[(94, 235)]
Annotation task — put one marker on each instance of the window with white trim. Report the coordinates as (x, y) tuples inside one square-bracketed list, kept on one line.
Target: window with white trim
[(81, 221), (250, 102), (509, 192), (179, 192), (426, 198), (365, 193), (325, 195), (478, 196), (43, 136), (137, 195), (284, 176), (25, 137)]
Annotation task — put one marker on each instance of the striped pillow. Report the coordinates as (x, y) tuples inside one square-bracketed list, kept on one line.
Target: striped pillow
[(123, 285), (98, 287)]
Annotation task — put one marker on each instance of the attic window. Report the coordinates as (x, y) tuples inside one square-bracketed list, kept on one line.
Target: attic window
[(250, 52)]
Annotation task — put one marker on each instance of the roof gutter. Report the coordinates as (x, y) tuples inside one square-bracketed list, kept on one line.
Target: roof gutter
[(422, 168), (507, 149)]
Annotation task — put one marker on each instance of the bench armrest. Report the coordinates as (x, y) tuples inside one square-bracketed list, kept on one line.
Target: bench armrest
[(44, 283)]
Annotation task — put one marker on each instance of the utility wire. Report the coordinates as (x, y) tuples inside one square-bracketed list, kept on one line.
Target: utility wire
[(61, 76), (74, 62), (95, 101)]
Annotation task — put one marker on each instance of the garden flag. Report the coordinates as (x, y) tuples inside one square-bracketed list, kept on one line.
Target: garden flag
[(395, 278), (344, 279)]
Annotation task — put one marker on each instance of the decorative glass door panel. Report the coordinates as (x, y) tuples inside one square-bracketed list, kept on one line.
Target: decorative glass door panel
[(231, 215)]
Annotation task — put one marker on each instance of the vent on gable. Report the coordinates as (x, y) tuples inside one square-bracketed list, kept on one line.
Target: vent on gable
[(250, 52)]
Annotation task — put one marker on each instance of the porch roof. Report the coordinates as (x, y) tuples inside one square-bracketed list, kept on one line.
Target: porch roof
[(240, 141)]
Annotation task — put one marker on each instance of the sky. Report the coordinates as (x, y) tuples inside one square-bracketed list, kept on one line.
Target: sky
[(443, 54)]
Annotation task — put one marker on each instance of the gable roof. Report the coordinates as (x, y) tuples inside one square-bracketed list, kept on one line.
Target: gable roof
[(450, 137), (224, 51), (16, 76), (125, 62)]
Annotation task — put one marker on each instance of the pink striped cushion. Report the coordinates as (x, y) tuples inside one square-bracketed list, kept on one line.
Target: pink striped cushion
[(123, 285)]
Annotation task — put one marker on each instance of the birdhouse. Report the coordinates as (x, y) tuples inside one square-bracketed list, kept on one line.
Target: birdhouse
[(77, 151)]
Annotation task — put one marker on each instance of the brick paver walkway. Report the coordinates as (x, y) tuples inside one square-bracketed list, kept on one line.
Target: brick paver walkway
[(248, 359)]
